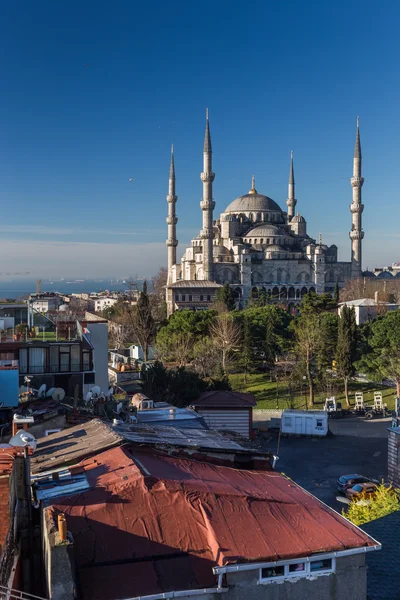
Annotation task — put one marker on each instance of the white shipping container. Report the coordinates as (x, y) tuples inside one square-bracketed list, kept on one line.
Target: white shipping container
[(305, 422)]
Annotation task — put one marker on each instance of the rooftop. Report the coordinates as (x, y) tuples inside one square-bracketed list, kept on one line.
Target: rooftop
[(365, 302), (194, 283), (224, 399), (127, 545)]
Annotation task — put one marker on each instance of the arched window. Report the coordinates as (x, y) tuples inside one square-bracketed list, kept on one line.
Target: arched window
[(261, 241), (255, 241)]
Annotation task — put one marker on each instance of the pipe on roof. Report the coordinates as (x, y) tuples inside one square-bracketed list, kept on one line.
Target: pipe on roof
[(177, 594), (254, 566)]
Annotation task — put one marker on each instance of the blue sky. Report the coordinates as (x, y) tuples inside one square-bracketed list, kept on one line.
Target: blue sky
[(276, 76)]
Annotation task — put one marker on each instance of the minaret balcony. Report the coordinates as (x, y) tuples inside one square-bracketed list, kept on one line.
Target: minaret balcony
[(207, 205), (357, 181), (356, 208), (171, 242), (171, 198), (171, 220), (207, 176), (356, 235)]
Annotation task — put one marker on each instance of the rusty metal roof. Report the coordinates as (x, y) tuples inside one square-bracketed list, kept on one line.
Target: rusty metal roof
[(154, 523)]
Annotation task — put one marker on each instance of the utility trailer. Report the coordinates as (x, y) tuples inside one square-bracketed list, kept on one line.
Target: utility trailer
[(334, 408), (378, 409)]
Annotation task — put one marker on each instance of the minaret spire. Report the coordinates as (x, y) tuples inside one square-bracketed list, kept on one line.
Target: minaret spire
[(291, 201), (356, 209), (172, 220), (207, 204)]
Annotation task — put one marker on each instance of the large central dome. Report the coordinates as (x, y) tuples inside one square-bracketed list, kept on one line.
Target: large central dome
[(253, 201)]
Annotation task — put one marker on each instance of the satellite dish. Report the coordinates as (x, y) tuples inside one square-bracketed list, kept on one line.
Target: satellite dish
[(49, 392), (88, 396), (58, 394), (95, 390), (42, 391)]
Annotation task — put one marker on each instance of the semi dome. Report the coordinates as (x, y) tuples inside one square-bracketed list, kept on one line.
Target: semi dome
[(298, 219), (266, 230), (275, 248)]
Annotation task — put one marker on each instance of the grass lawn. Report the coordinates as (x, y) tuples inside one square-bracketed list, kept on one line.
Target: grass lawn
[(269, 394)]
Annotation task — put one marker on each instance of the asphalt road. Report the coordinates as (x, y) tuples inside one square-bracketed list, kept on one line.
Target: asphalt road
[(357, 446)]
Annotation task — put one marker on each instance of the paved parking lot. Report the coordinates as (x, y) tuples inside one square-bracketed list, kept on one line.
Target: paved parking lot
[(357, 446)]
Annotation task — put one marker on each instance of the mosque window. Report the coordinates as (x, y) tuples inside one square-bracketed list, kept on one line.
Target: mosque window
[(201, 297), (183, 297), (208, 298), (255, 241), (261, 241), (176, 297)]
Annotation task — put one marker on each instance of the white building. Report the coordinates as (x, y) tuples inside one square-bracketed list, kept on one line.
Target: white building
[(366, 308), (104, 302), (256, 246), (46, 302)]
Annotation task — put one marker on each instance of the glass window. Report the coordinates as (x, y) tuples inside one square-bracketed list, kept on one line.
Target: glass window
[(64, 359), (54, 365), (75, 358), (208, 298), (297, 568), (23, 360), (270, 572), (321, 565), (319, 423), (183, 297), (176, 297), (86, 360), (190, 297), (201, 298), (36, 360), (358, 488)]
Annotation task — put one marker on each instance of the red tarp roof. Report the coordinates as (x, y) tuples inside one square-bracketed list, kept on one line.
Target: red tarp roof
[(154, 523), (224, 399)]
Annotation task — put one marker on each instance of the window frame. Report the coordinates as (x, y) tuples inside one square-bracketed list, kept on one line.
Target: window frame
[(305, 573)]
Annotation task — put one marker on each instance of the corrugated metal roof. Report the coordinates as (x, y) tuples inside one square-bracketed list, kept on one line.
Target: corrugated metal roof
[(70, 446), (155, 523), (181, 438)]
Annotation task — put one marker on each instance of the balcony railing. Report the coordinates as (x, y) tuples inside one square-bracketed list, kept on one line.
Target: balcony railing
[(48, 369)]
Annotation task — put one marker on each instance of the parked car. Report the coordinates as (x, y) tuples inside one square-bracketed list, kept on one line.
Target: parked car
[(347, 481), (360, 490)]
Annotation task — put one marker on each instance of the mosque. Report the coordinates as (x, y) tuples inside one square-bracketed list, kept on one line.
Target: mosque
[(255, 245)]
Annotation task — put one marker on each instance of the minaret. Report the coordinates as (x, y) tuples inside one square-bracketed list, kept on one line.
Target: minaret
[(172, 220), (207, 205), (291, 201), (356, 208)]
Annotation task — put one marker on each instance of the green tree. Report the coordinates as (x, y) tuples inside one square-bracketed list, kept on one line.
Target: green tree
[(346, 347), (224, 296), (317, 303), (383, 502), (336, 293), (176, 386), (382, 351)]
